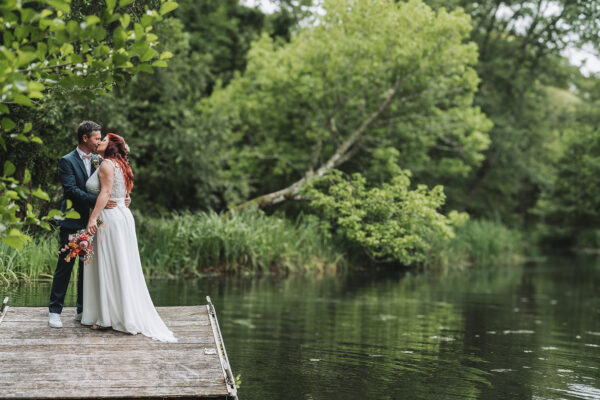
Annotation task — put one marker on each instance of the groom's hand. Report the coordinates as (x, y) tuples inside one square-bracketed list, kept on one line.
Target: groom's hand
[(127, 201), (111, 204)]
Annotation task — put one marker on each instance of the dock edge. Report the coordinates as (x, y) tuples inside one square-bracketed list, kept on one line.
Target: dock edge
[(3, 309), (227, 373)]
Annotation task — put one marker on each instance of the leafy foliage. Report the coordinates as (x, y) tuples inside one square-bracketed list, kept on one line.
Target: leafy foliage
[(48, 47), (374, 75), (521, 45), (391, 222)]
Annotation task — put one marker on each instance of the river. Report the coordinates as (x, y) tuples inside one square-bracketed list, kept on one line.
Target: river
[(517, 332)]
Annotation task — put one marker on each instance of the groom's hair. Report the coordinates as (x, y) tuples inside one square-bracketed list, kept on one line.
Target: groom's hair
[(86, 128)]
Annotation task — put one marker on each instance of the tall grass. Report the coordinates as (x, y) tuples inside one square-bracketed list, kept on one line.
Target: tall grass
[(480, 243), (35, 261), (194, 244), (191, 244)]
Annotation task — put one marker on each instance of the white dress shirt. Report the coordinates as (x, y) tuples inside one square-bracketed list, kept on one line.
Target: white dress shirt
[(87, 160)]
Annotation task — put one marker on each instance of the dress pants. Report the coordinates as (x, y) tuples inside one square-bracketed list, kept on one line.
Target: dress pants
[(62, 275)]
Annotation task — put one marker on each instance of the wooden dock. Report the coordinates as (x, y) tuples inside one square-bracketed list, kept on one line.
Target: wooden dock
[(76, 362)]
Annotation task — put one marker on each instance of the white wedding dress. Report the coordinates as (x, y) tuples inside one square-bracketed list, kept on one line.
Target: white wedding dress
[(114, 289)]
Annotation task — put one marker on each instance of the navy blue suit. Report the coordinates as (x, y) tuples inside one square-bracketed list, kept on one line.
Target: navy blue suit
[(73, 175)]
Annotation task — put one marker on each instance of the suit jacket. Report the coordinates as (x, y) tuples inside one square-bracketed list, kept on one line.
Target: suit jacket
[(73, 176)]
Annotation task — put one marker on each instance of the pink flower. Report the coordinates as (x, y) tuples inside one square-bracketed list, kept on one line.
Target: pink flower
[(83, 244)]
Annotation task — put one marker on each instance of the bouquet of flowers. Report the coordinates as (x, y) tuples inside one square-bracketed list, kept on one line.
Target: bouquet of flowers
[(80, 244)]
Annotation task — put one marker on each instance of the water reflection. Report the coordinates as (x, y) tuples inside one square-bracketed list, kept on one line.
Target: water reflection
[(509, 333)]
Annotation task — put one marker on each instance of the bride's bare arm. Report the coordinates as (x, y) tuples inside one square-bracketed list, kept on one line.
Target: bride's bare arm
[(106, 175)]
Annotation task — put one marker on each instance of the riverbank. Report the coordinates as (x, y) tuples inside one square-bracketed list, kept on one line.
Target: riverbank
[(200, 244)]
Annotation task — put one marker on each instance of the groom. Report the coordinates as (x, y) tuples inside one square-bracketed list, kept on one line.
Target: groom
[(74, 169)]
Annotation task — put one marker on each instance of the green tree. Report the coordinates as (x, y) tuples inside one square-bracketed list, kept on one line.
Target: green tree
[(365, 77), (521, 67), (48, 46), (569, 208)]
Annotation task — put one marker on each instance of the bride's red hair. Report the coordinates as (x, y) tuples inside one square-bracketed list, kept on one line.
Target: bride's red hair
[(117, 151)]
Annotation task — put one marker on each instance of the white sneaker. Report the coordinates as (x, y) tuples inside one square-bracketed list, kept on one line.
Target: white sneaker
[(54, 320), (78, 316)]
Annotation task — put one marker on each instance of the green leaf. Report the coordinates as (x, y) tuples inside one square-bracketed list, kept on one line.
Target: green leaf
[(166, 55), (119, 59), (20, 137), (124, 3), (9, 168), (66, 49), (3, 109), (168, 7), (146, 20), (160, 63), (59, 5), (144, 68), (101, 51), (27, 128), (22, 100), (16, 239), (139, 31), (99, 34), (91, 20), (20, 84), (52, 214), (27, 177), (72, 27), (148, 55), (45, 225), (119, 37), (125, 20), (8, 124), (41, 50), (40, 194), (110, 5), (25, 57), (72, 214)]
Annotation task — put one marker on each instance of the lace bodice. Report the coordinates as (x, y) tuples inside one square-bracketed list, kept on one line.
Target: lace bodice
[(118, 191)]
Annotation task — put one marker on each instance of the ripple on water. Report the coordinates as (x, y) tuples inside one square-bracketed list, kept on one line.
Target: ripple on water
[(581, 391)]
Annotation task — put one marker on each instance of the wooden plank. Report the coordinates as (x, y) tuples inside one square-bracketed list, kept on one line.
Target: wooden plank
[(133, 356), (200, 367), (107, 383), (108, 364), (192, 313), (201, 341), (76, 375), (122, 393)]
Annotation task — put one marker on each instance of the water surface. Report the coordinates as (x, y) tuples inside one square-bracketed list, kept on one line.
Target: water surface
[(529, 332)]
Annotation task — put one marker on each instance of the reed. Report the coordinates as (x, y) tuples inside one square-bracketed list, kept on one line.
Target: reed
[(36, 261), (480, 243), (194, 244), (191, 244)]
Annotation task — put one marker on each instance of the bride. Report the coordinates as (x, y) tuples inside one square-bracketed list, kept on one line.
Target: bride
[(114, 290)]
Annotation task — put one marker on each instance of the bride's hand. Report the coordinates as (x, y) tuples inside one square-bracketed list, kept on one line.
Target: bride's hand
[(92, 227)]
